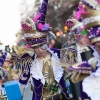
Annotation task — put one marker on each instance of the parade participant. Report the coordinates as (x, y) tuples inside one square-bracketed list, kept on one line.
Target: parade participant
[(3, 78), (72, 52), (93, 27), (93, 79), (3, 75), (91, 22), (47, 77)]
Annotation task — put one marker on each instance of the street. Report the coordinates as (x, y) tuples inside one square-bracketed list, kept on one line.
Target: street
[(27, 93)]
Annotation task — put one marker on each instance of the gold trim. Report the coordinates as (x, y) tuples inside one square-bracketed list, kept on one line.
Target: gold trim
[(96, 23), (38, 44), (93, 13), (33, 31), (44, 34), (92, 1), (95, 40), (40, 93), (34, 37), (63, 91), (38, 86)]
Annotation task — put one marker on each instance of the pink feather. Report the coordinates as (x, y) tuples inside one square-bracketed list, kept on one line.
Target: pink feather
[(81, 12), (40, 26), (36, 17), (25, 26)]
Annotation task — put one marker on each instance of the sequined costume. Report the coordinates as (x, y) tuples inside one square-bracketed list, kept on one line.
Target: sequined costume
[(88, 14), (93, 28), (44, 87), (3, 77), (47, 76)]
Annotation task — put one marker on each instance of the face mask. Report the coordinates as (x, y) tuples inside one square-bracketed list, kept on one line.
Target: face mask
[(43, 46)]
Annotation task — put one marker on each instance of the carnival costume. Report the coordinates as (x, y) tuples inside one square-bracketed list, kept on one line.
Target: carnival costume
[(93, 27), (79, 25), (47, 77), (3, 75)]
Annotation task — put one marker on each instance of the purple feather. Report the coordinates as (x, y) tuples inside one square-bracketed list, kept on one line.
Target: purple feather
[(41, 18)]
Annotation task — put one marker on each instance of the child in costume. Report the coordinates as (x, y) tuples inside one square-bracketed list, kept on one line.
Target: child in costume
[(92, 26), (47, 76), (91, 82), (71, 53)]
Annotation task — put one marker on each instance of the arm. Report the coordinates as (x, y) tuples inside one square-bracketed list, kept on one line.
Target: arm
[(79, 75), (25, 64), (23, 80)]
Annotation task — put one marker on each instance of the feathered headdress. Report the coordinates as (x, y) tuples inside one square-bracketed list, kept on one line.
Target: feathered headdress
[(35, 29)]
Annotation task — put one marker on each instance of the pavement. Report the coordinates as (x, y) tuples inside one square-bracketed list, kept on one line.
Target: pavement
[(28, 93)]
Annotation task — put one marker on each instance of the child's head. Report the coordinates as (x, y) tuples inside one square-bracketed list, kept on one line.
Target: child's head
[(83, 39), (97, 47)]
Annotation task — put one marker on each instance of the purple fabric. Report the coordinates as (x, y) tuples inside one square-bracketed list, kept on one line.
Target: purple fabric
[(84, 66), (37, 93), (43, 11), (41, 19), (35, 41), (22, 56), (56, 51), (93, 33), (63, 85), (2, 59), (88, 4), (24, 75), (69, 24), (38, 88)]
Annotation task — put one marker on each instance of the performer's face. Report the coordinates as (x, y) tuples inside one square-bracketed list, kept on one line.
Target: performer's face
[(41, 50), (83, 39), (97, 47)]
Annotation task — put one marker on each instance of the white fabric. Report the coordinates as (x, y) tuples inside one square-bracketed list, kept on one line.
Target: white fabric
[(97, 57), (79, 24), (93, 3), (79, 50), (36, 68), (91, 84), (90, 20), (2, 90), (8, 57)]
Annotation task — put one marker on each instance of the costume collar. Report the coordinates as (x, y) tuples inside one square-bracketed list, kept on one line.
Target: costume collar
[(36, 68)]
